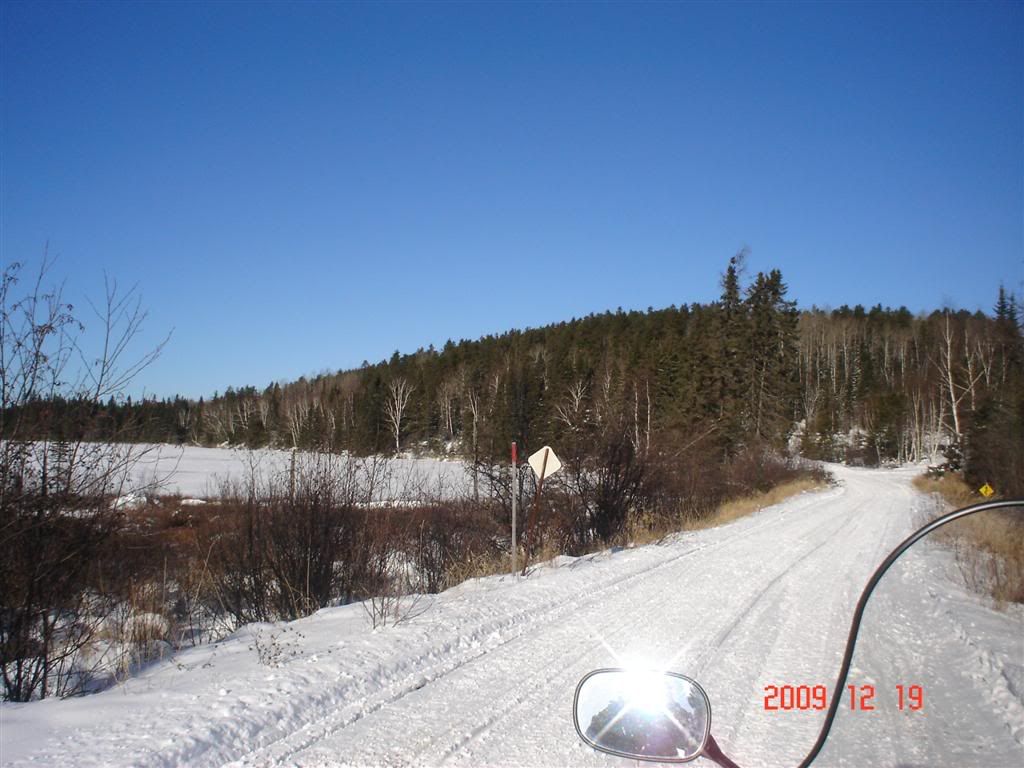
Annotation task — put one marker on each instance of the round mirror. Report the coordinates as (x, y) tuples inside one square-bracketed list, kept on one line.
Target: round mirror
[(646, 715)]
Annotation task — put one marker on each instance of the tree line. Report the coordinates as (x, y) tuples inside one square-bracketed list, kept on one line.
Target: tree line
[(854, 384)]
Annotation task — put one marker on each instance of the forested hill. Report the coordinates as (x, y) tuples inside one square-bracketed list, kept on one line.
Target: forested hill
[(749, 369)]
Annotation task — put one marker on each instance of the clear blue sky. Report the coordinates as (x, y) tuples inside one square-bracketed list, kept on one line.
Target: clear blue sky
[(300, 187)]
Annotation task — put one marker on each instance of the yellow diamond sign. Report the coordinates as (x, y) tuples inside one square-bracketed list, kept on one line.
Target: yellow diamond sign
[(986, 490)]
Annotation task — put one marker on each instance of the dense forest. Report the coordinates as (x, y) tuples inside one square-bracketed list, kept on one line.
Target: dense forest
[(854, 384)]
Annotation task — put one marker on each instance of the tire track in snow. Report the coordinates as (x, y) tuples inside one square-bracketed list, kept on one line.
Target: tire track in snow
[(508, 630), (572, 661), (815, 613), (723, 635)]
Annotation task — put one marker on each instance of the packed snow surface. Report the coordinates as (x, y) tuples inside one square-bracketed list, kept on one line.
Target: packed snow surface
[(484, 674)]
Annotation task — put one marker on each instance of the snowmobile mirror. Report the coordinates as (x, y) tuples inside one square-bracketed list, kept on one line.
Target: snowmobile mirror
[(643, 714)]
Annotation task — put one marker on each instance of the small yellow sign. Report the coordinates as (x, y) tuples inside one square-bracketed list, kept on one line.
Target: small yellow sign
[(986, 490)]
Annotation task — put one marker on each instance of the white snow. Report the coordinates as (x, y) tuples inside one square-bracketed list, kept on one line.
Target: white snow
[(486, 673), (193, 471)]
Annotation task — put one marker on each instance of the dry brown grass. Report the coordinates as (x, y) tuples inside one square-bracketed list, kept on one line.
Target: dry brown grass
[(950, 486), (746, 505), (645, 529), (988, 546), (477, 566), (989, 549), (640, 530)]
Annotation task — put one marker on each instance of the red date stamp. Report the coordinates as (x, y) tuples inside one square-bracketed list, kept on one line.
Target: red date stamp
[(789, 697), (860, 698)]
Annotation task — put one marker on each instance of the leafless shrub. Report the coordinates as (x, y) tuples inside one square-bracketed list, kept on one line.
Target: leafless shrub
[(274, 647), (385, 579), (56, 511), (284, 549), (135, 631), (440, 538), (283, 546), (393, 603)]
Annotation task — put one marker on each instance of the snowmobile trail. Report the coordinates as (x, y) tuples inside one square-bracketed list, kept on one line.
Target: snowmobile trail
[(512, 704), (487, 641)]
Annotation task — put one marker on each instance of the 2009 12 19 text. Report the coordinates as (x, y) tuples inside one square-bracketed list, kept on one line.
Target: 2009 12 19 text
[(861, 698)]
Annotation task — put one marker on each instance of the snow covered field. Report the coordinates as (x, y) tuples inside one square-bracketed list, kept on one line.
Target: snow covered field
[(197, 472), (485, 674)]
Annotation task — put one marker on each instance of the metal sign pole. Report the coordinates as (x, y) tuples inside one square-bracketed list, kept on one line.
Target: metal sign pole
[(515, 494), (543, 463), (532, 519)]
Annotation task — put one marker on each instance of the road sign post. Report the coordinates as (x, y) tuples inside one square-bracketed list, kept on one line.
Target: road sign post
[(515, 494), (544, 463)]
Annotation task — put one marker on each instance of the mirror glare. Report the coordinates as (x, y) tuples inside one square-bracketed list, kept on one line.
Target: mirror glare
[(643, 714)]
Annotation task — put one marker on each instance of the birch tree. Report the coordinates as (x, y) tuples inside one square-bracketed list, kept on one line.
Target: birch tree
[(955, 387), (399, 392)]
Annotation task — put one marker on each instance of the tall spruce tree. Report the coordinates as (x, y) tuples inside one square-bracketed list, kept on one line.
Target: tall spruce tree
[(771, 359), (732, 378)]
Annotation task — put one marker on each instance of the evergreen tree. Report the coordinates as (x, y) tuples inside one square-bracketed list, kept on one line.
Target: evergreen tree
[(771, 355), (727, 360)]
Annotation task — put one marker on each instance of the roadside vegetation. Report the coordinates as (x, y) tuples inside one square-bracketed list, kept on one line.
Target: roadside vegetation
[(59, 579), (746, 505), (169, 573), (988, 547), (950, 486)]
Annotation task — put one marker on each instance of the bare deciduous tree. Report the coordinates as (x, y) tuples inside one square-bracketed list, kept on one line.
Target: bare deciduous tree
[(571, 411), (447, 397), (399, 392), (959, 382)]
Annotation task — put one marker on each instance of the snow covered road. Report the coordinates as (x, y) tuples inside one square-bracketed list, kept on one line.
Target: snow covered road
[(485, 674)]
